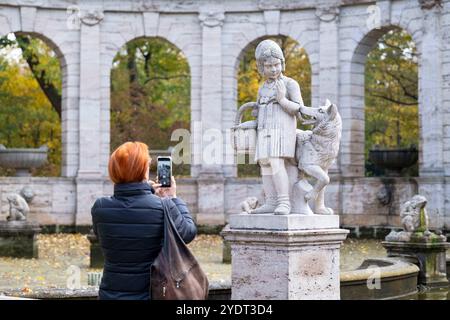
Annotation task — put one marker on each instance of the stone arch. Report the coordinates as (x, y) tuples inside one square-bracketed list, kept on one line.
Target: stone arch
[(173, 46), (353, 141), (121, 32), (68, 167)]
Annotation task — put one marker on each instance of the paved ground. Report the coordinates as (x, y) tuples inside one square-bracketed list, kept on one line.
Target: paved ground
[(58, 252)]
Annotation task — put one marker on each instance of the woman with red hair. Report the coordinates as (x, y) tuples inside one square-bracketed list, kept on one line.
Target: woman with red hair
[(129, 224)]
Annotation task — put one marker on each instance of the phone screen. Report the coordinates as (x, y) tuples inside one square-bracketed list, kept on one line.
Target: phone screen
[(164, 170)]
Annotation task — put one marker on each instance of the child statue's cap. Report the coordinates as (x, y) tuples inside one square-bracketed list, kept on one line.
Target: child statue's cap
[(268, 48)]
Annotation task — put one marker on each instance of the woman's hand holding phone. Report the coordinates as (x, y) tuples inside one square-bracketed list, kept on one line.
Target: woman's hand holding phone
[(165, 191)]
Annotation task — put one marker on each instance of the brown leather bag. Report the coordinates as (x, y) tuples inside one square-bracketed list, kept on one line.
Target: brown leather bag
[(175, 273)]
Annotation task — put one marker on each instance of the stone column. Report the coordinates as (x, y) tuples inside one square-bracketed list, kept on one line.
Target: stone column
[(431, 162), (208, 135), (89, 176), (285, 257), (430, 83), (328, 53), (329, 61)]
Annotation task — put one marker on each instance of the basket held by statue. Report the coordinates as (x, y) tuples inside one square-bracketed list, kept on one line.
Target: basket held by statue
[(243, 135)]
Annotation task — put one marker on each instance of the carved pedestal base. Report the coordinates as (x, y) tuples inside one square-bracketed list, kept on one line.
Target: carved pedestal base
[(96, 255), (428, 256), (285, 257), (18, 239)]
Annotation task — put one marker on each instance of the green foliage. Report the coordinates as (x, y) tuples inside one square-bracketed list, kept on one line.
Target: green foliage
[(27, 119), (150, 95), (391, 95), (45, 63)]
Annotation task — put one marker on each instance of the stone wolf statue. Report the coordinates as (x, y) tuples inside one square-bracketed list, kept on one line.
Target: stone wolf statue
[(316, 150)]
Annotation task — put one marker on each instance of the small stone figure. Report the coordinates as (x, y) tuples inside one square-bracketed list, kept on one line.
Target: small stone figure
[(414, 222), (384, 195), (18, 208), (413, 214), (418, 244), (249, 204)]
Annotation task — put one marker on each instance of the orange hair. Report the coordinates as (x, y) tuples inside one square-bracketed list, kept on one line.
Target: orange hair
[(129, 163)]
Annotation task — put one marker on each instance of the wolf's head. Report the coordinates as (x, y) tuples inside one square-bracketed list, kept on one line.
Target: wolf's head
[(315, 116)]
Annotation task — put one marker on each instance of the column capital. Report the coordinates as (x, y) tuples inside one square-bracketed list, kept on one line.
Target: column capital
[(149, 6), (327, 13), (31, 3), (91, 17), (211, 18), (430, 4)]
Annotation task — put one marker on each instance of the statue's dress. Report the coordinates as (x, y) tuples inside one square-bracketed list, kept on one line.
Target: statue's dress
[(276, 131)]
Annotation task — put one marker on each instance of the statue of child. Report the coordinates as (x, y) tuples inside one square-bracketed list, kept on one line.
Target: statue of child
[(277, 124)]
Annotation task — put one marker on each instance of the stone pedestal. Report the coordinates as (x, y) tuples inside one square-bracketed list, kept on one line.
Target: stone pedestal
[(96, 254), (285, 257), (18, 239), (429, 256), (226, 252)]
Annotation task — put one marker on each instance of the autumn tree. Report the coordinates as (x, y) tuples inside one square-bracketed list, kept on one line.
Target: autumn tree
[(391, 94), (42, 62), (27, 117), (150, 94)]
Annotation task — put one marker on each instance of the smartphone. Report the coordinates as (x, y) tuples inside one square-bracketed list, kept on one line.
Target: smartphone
[(164, 171)]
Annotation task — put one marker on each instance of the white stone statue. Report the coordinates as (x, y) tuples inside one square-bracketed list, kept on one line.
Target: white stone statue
[(414, 215), (288, 156), (316, 150), (18, 208), (276, 129)]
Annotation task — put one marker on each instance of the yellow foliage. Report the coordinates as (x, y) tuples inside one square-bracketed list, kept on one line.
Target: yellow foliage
[(27, 119)]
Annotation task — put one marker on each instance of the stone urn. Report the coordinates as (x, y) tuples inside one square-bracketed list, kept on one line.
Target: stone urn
[(23, 159), (393, 161)]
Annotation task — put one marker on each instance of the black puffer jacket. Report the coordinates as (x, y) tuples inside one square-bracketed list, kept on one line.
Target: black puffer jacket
[(129, 226)]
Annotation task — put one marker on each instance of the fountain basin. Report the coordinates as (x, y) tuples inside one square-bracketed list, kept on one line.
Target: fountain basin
[(218, 290), (396, 279)]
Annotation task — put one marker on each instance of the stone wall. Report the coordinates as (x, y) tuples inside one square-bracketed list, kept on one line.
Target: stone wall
[(336, 34), (360, 202), (55, 200)]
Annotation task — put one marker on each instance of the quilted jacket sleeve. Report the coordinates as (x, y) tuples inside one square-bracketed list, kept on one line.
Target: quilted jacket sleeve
[(183, 220)]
